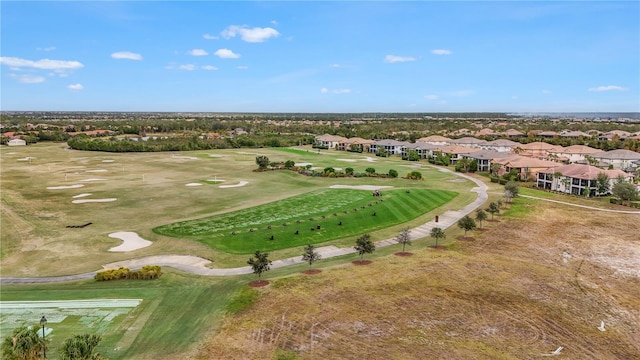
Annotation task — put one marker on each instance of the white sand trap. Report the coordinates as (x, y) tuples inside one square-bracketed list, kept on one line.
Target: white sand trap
[(370, 159), (217, 155), (347, 160), (93, 200), (108, 161), (97, 171), (11, 153), (193, 184), (131, 241), (184, 157), (82, 195), (302, 164), (93, 179), (25, 159), (247, 153), (241, 183), (74, 186), (337, 169), (220, 180), (360, 187)]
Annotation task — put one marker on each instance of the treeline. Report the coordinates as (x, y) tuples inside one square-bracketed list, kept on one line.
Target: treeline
[(177, 143)]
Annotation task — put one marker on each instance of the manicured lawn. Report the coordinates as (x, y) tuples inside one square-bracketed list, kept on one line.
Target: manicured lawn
[(317, 217)]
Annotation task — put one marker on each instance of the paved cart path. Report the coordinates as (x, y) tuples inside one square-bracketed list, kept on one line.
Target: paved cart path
[(198, 265)]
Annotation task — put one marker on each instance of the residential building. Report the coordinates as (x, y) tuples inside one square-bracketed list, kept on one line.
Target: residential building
[(355, 143), (485, 158), (329, 141), (577, 179), (425, 150), (454, 152), (435, 140), (526, 167), (500, 145), (574, 153), (468, 142), (16, 142), (393, 147), (618, 159), (535, 149)]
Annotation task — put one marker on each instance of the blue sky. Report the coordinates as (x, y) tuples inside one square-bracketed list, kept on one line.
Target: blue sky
[(328, 56)]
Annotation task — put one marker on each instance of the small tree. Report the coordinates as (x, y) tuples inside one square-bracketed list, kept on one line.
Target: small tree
[(437, 234), (414, 175), (511, 190), (413, 155), (625, 191), (80, 347), (310, 254), (24, 343), (262, 161), (289, 164), (393, 173), (370, 170), (557, 175), (404, 237), (493, 209), (602, 184), (466, 224), (349, 171), (364, 245), (499, 203), (260, 263), (481, 216)]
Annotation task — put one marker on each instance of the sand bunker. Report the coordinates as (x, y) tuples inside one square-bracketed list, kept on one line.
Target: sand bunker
[(108, 161), (184, 157), (241, 183), (74, 186), (247, 153), (303, 164), (193, 184), (360, 187), (214, 180), (82, 195), (370, 159), (93, 200), (97, 171), (25, 159), (216, 155), (347, 160), (131, 241), (92, 179)]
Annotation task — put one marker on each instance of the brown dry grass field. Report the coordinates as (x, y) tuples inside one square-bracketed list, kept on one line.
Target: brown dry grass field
[(542, 277)]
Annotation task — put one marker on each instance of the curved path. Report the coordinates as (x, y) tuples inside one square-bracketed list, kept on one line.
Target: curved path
[(197, 265)]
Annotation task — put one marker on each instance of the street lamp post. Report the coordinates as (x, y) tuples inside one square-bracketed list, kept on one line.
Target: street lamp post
[(43, 322)]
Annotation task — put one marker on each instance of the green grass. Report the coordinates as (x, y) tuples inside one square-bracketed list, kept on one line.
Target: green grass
[(298, 151), (245, 231), (175, 312)]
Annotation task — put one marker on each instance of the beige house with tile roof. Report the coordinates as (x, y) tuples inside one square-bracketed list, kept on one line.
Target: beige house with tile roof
[(577, 179), (574, 153), (526, 167)]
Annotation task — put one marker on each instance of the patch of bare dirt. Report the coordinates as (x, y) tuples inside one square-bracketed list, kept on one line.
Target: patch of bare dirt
[(259, 283), (362, 262), (465, 238), (403, 253), (312, 271)]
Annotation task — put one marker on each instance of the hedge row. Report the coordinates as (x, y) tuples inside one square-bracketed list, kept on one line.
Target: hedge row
[(149, 272)]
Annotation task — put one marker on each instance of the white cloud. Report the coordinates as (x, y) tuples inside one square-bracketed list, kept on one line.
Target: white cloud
[(395, 58), (226, 54), (50, 48), (188, 67), (242, 67), (209, 67), (198, 52), (274, 22), (324, 90), (28, 79), (431, 97), (210, 37), (126, 55), (252, 35), (441, 52), (608, 88), (75, 87), (341, 91), (41, 64), (546, 91)]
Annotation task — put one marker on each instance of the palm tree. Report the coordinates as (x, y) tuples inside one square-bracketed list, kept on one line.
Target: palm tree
[(80, 347), (24, 343)]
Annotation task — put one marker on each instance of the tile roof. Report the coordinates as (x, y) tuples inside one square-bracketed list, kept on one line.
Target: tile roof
[(619, 154)]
